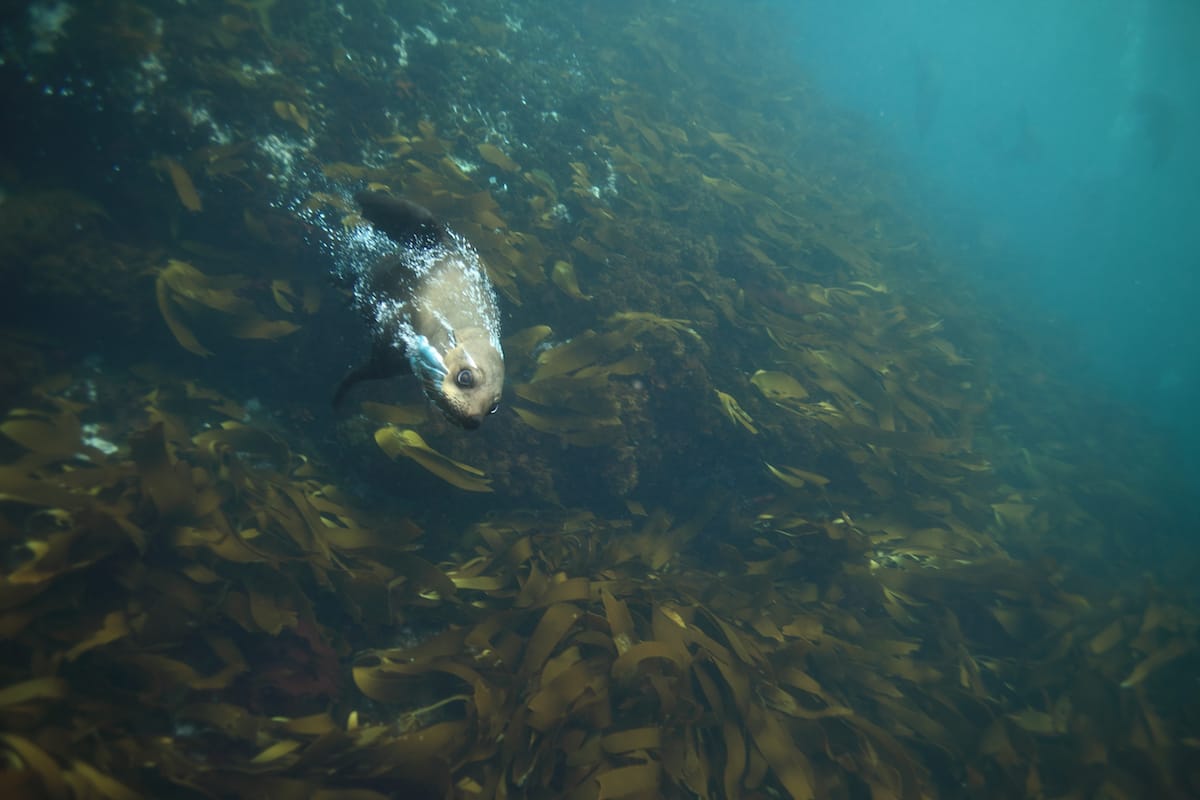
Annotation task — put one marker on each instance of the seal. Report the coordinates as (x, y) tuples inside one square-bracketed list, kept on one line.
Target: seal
[(432, 312)]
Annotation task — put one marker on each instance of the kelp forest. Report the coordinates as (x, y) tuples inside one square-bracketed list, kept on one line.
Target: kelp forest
[(777, 504)]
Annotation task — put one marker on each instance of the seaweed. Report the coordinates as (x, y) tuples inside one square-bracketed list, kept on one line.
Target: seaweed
[(774, 509)]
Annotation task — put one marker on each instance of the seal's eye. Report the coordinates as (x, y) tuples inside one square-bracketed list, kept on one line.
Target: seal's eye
[(494, 409), (465, 378)]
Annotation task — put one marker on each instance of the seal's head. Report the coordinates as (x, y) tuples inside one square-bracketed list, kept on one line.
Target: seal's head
[(471, 388), (465, 382)]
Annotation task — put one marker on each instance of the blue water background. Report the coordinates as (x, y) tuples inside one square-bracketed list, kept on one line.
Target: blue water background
[(1052, 147)]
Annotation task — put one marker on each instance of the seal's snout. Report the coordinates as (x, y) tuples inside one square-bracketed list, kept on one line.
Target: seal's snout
[(471, 422)]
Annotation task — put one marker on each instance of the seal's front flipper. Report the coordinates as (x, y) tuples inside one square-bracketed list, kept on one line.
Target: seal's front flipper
[(403, 222), (386, 362)]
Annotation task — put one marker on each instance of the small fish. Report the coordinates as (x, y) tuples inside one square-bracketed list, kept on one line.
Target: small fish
[(432, 312)]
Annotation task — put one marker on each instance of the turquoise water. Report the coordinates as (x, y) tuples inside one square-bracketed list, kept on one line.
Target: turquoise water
[(1055, 145)]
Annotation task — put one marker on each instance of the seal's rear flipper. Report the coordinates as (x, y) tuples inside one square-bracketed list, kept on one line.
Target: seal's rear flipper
[(386, 362), (403, 221)]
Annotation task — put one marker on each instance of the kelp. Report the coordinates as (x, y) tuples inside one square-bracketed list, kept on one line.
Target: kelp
[(797, 478), (572, 394), (579, 655), (190, 557), (494, 155), (735, 412), (185, 190), (840, 580), (181, 287), (563, 276), (640, 684), (780, 388), (290, 112), (408, 443)]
